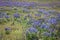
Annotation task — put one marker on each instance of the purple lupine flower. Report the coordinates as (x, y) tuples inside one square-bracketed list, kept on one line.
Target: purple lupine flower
[(36, 23), (51, 30), (7, 16), (29, 4), (46, 34), (32, 30), (52, 20), (10, 3), (2, 14), (45, 26), (47, 5), (26, 4), (41, 10), (7, 28), (20, 4), (17, 3), (44, 11), (6, 3), (33, 4), (16, 15), (58, 14), (38, 15)]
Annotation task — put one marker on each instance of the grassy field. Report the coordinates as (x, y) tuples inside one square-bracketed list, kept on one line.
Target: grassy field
[(18, 29)]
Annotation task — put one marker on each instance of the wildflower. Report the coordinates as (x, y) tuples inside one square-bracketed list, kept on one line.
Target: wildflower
[(58, 15), (7, 28), (52, 20), (32, 35), (46, 13), (37, 15), (41, 10), (36, 23), (16, 15), (33, 4), (26, 4), (32, 30), (2, 14), (44, 5), (46, 34), (45, 26), (7, 16), (51, 30)]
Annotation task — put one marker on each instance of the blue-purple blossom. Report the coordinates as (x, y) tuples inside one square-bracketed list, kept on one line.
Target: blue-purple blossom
[(32, 30), (51, 30), (36, 23), (38, 15), (41, 10), (45, 26), (33, 4), (26, 4), (7, 16), (10, 3), (7, 28), (46, 34), (58, 14), (46, 13), (47, 5), (20, 4), (2, 14), (6, 3), (16, 15), (52, 20)]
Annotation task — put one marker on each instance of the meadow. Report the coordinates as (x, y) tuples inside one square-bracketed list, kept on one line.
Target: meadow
[(29, 21)]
